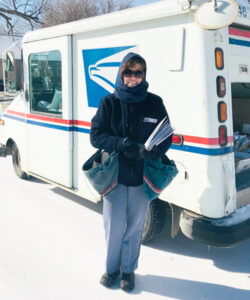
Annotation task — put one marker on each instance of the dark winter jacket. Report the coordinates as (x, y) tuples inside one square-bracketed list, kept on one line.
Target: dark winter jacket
[(116, 119)]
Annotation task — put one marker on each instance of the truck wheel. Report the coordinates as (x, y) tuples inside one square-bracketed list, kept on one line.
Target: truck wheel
[(16, 160), (155, 220)]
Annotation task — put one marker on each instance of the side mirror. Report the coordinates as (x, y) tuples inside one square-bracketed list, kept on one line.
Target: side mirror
[(10, 61)]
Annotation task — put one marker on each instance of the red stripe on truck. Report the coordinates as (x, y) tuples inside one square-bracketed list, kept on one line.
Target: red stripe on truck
[(187, 138), (238, 32), (204, 141)]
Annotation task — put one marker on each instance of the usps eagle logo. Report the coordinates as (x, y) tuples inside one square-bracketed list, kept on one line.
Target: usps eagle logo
[(101, 69)]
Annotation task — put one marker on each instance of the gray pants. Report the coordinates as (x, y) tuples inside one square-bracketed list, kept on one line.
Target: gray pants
[(124, 213)]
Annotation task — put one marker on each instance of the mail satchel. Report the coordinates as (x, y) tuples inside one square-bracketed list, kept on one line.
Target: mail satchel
[(157, 175), (102, 169)]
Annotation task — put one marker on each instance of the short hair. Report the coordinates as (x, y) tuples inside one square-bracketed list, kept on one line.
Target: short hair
[(132, 62)]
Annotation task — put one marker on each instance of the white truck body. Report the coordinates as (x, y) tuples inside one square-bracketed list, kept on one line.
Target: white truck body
[(54, 143)]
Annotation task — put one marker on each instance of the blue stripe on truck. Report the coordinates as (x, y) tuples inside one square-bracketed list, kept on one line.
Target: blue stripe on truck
[(15, 118), (78, 129), (204, 151), (65, 128), (239, 42)]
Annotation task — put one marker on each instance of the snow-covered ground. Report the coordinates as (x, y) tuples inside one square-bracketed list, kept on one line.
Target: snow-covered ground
[(52, 248)]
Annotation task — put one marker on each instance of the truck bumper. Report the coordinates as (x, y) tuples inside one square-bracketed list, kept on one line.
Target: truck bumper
[(223, 232), (3, 151)]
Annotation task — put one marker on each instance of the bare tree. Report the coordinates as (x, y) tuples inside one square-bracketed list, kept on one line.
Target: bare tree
[(27, 10), (63, 11), (107, 6)]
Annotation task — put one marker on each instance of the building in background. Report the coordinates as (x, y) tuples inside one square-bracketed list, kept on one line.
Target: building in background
[(7, 43)]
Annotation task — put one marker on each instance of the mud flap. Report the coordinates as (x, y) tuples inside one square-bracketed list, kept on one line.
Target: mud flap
[(223, 232), (176, 213)]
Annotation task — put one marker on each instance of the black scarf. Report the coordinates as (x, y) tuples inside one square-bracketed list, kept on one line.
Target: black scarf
[(134, 94)]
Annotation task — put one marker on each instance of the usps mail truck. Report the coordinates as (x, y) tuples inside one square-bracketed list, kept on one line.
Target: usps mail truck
[(200, 70)]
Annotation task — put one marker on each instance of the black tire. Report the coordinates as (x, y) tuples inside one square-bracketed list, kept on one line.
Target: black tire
[(16, 160), (155, 220)]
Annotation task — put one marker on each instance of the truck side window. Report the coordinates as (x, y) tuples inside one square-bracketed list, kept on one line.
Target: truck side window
[(45, 73)]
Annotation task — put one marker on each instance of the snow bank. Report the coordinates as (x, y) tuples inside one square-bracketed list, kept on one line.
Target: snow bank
[(239, 216)]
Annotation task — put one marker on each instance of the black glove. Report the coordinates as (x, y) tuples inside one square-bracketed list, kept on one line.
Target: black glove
[(132, 152), (124, 144), (147, 155)]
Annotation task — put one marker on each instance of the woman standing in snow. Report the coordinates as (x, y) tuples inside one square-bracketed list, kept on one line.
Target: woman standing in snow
[(124, 120)]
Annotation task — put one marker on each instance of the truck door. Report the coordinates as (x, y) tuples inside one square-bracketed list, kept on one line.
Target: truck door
[(48, 78)]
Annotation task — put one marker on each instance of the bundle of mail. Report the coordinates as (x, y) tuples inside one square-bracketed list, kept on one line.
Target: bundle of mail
[(241, 143), (162, 131)]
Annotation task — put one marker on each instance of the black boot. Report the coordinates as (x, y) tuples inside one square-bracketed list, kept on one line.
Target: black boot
[(128, 281), (109, 279)]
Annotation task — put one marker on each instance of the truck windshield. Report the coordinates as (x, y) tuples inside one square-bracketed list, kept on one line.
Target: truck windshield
[(45, 72)]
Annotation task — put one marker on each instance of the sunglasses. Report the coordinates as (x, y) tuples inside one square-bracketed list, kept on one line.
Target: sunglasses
[(129, 73)]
